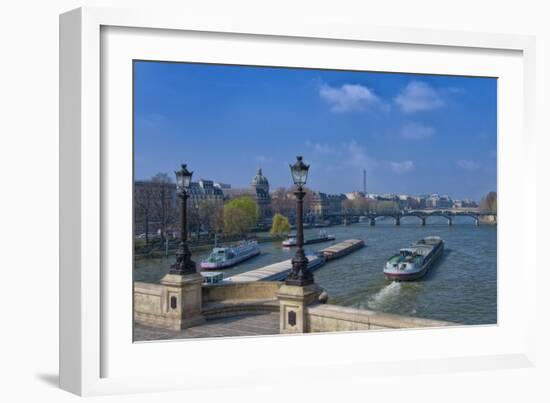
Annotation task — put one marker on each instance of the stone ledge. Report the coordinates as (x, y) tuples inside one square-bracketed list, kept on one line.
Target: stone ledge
[(370, 319), (254, 290)]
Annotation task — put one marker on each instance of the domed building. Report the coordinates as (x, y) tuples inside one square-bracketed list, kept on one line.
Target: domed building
[(259, 190), (260, 185)]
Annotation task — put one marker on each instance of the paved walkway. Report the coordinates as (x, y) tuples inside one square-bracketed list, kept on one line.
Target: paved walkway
[(244, 325)]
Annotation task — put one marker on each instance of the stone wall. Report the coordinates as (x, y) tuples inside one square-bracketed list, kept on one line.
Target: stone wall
[(247, 298), (174, 304), (152, 306), (167, 306), (240, 291), (334, 318)]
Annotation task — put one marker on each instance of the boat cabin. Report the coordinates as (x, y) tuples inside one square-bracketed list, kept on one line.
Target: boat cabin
[(221, 253), (407, 252)]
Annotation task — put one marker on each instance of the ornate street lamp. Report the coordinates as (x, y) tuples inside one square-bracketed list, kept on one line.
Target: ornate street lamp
[(183, 263), (299, 274)]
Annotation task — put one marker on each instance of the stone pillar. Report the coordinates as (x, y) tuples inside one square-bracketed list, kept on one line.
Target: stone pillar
[(397, 221), (449, 221), (293, 302), (423, 221), (372, 221), (477, 223), (182, 300)]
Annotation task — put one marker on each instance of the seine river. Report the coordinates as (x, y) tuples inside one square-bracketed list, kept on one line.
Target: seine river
[(460, 287)]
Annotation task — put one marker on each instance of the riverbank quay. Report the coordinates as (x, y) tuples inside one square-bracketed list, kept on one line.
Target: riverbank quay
[(158, 251), (342, 249)]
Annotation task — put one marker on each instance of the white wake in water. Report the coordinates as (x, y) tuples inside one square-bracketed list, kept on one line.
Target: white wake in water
[(385, 295)]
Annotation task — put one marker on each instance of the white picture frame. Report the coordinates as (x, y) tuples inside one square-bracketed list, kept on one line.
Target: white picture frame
[(94, 361)]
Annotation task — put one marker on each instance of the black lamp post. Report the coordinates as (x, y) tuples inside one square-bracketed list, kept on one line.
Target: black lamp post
[(299, 275), (183, 263)]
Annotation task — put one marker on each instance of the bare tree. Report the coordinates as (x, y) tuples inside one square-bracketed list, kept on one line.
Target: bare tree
[(164, 202), (194, 217), (211, 215), (281, 202), (143, 207), (488, 203)]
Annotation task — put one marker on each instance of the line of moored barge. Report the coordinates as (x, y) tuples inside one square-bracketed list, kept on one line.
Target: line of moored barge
[(409, 264)]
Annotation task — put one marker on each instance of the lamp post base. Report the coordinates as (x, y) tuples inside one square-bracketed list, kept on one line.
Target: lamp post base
[(300, 282), (300, 275), (293, 301), (182, 300)]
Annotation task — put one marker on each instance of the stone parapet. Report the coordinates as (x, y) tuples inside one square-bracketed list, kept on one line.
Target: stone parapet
[(334, 318), (175, 304), (240, 291), (178, 303)]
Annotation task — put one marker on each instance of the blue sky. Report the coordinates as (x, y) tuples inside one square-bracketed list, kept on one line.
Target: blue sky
[(415, 134)]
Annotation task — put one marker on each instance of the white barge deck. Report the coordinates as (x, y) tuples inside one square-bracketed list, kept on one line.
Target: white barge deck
[(273, 272)]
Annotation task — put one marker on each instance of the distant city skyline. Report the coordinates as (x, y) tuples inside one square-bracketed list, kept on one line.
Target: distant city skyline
[(414, 134)]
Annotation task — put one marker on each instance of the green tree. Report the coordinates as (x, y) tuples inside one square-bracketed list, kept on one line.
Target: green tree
[(280, 225), (240, 215)]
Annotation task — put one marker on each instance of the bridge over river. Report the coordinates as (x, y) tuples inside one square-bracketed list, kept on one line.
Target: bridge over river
[(422, 215)]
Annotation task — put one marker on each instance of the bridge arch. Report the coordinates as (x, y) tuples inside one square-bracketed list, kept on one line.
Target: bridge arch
[(438, 214), (421, 217), (372, 217)]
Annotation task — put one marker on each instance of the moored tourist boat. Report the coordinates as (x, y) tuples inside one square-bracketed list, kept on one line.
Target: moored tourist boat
[(414, 262), (221, 258), (323, 237)]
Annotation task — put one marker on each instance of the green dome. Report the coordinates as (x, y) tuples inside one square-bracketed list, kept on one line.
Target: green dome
[(259, 180)]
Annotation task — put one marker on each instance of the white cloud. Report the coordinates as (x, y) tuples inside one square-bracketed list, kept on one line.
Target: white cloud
[(322, 148), (350, 97), (418, 96), (357, 157), (468, 165), (416, 131), (401, 167)]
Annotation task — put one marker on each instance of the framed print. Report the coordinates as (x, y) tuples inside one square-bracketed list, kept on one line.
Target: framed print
[(254, 195)]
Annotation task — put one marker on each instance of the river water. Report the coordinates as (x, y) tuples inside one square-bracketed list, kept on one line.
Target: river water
[(461, 287)]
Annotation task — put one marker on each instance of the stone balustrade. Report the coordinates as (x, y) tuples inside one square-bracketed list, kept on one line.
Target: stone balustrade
[(240, 291), (164, 306), (334, 318)]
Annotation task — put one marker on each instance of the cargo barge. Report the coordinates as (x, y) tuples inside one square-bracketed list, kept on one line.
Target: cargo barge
[(276, 271), (323, 237), (414, 262), (342, 249)]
